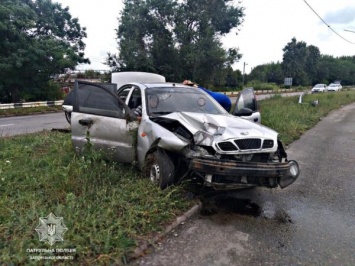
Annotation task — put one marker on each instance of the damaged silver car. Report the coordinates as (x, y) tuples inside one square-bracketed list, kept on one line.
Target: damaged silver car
[(181, 133)]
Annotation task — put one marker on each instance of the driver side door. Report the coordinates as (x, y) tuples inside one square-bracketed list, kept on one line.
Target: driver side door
[(101, 120)]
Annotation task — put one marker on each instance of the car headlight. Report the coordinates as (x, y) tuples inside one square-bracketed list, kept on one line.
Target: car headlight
[(293, 173), (203, 138), (294, 169)]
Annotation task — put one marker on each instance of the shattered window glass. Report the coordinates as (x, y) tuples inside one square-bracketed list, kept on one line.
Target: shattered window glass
[(180, 99)]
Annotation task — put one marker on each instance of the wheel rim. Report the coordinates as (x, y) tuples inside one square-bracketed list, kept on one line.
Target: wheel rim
[(155, 173)]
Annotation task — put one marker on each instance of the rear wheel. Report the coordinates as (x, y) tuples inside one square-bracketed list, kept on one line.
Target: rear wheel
[(159, 169)]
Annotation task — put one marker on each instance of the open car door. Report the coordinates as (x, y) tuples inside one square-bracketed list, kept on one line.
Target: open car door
[(246, 106), (100, 117)]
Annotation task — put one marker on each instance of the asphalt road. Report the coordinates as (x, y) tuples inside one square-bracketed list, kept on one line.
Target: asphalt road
[(312, 222), (260, 97), (17, 125)]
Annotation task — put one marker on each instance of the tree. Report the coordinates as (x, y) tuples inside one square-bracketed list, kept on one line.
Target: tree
[(226, 79), (259, 73), (178, 39), (199, 26), (38, 39), (274, 73), (307, 66), (312, 63), (294, 62)]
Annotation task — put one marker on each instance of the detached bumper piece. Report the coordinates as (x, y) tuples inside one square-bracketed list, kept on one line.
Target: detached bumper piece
[(228, 174)]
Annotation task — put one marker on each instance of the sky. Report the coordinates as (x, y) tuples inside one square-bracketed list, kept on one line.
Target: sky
[(267, 28)]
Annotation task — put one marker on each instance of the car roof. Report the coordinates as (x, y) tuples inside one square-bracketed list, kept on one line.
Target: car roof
[(164, 84)]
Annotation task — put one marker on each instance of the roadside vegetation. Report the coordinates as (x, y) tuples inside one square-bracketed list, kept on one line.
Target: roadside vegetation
[(257, 85), (291, 119), (29, 110), (107, 207)]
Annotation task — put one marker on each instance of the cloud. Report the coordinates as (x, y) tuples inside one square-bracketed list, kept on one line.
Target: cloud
[(342, 16)]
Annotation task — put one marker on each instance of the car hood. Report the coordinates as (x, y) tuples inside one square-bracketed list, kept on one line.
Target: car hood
[(223, 126)]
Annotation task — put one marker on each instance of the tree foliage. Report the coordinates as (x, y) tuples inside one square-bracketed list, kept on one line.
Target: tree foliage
[(37, 40), (307, 66), (294, 61), (178, 39), (268, 73)]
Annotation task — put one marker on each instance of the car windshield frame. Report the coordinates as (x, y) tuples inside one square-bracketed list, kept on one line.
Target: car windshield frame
[(166, 100)]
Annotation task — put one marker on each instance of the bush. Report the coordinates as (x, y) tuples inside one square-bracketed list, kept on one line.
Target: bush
[(257, 85), (49, 92)]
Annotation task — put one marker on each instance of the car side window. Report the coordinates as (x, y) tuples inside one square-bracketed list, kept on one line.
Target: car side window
[(136, 98), (92, 99), (124, 92)]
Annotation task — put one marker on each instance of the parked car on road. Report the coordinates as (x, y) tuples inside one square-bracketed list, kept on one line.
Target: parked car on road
[(334, 87), (182, 133), (319, 88)]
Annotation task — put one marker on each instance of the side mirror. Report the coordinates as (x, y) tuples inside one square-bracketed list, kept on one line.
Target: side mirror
[(244, 112)]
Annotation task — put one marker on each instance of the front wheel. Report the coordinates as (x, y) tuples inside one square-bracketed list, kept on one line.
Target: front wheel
[(159, 169)]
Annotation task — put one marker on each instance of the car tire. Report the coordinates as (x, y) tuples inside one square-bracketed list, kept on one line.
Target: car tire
[(159, 169), (68, 117)]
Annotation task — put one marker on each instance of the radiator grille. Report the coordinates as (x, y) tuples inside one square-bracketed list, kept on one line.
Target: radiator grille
[(244, 144), (227, 146), (248, 144)]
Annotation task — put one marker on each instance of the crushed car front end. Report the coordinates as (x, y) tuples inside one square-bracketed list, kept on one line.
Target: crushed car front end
[(223, 151), (229, 174)]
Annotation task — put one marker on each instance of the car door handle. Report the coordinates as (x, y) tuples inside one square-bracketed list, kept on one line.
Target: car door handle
[(85, 122)]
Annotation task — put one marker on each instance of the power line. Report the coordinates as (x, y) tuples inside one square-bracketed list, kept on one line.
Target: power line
[(327, 24), (350, 31)]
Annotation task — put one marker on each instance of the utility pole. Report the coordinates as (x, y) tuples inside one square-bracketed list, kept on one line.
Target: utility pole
[(245, 64)]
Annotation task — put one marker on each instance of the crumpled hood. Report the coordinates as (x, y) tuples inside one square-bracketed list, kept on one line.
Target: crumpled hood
[(235, 127)]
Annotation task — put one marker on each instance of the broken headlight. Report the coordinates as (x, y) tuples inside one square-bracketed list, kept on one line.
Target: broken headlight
[(203, 138)]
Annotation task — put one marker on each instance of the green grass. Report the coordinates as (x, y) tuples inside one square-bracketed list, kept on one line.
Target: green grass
[(29, 110), (107, 207), (291, 119)]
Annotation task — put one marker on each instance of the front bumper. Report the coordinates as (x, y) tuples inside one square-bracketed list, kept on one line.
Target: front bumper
[(228, 174)]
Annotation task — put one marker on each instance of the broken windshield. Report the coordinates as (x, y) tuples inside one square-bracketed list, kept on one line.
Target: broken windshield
[(180, 99)]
